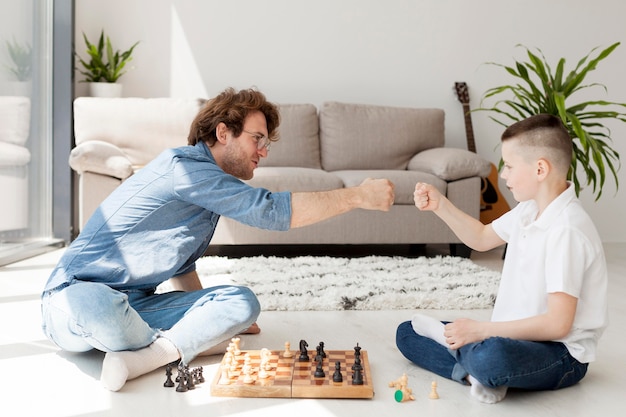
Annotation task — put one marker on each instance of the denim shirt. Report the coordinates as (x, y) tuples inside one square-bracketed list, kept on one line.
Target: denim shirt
[(157, 223)]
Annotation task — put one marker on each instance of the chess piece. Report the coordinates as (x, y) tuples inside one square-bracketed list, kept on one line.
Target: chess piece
[(304, 355), (319, 369), (433, 391), (182, 383), (200, 374), (266, 356), (287, 353), (191, 384), (246, 370), (320, 350), (224, 378), (168, 373), (357, 376), (236, 341), (404, 394), (400, 382), (337, 377)]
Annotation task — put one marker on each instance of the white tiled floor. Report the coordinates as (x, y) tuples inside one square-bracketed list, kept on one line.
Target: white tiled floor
[(37, 379)]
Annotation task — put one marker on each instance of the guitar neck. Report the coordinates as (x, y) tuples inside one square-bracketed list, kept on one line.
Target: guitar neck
[(469, 130)]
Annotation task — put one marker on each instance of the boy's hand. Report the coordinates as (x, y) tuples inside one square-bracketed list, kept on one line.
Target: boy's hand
[(426, 197), (462, 332)]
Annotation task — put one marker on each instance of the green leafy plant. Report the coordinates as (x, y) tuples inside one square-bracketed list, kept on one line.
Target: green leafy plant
[(104, 65), (541, 90), (22, 59)]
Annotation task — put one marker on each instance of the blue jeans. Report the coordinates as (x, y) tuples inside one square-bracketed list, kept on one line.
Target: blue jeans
[(87, 315), (495, 362)]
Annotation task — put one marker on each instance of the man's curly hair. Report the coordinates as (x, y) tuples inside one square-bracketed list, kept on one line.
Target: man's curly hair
[(232, 107)]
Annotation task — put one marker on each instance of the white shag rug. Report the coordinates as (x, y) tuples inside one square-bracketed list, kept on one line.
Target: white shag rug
[(369, 283)]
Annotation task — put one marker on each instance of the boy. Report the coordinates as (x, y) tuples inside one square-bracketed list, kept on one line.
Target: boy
[(551, 307)]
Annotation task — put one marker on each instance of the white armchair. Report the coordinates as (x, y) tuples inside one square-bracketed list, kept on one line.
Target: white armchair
[(14, 160)]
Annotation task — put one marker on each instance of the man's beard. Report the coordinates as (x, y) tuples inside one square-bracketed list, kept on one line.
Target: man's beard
[(236, 163)]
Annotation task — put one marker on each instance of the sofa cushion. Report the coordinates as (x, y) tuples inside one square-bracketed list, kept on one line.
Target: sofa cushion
[(450, 164), (140, 127), (14, 119), (294, 179), (359, 136), (404, 181), (13, 155), (299, 144)]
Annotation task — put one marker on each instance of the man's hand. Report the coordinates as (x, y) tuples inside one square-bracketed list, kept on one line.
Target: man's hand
[(378, 194), (313, 207)]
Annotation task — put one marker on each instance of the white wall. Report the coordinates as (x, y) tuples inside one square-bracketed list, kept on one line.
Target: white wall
[(393, 52)]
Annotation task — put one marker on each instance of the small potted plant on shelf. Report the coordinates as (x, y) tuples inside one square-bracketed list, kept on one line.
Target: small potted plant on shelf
[(539, 89), (104, 67)]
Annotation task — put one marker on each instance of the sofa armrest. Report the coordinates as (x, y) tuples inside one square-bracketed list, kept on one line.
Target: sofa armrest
[(13, 155), (450, 164), (101, 158)]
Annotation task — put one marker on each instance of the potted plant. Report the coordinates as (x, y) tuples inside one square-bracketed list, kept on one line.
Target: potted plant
[(104, 67), (21, 66), (538, 89)]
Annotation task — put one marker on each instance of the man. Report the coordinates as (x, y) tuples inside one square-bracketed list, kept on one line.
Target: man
[(158, 223)]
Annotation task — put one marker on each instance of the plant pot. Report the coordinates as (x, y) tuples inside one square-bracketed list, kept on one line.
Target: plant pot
[(21, 88), (105, 89)]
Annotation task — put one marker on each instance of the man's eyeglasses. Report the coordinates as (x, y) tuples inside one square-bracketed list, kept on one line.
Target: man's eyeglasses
[(261, 141)]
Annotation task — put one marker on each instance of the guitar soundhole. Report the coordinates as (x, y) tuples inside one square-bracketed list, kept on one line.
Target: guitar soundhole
[(490, 195)]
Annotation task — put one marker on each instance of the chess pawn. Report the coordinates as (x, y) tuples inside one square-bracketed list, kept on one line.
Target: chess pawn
[(225, 377), (433, 391), (247, 372), (200, 374), (337, 377), (236, 349), (168, 373), (400, 382), (404, 394), (287, 353)]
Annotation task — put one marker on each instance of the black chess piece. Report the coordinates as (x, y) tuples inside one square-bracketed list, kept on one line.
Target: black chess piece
[(189, 376), (337, 377), (181, 379), (200, 374), (168, 373), (357, 377), (304, 355), (319, 369), (320, 349), (357, 351)]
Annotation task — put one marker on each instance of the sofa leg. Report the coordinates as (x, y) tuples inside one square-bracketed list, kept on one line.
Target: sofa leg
[(460, 249)]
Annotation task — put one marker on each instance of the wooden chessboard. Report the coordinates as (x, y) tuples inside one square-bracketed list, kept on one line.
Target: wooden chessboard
[(289, 378)]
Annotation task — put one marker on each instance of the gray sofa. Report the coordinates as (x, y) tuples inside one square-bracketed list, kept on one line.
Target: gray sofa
[(336, 146)]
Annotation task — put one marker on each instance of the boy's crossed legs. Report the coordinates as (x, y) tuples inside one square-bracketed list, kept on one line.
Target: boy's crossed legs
[(492, 365)]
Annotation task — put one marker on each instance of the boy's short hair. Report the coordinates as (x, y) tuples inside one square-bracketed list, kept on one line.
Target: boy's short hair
[(547, 135), (232, 107)]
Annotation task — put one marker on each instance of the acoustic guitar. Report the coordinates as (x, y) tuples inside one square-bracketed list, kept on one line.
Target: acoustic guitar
[(492, 203)]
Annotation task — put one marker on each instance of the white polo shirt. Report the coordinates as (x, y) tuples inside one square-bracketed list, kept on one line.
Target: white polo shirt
[(559, 252)]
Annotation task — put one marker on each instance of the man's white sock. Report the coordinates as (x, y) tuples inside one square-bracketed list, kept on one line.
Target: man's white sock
[(119, 367)]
